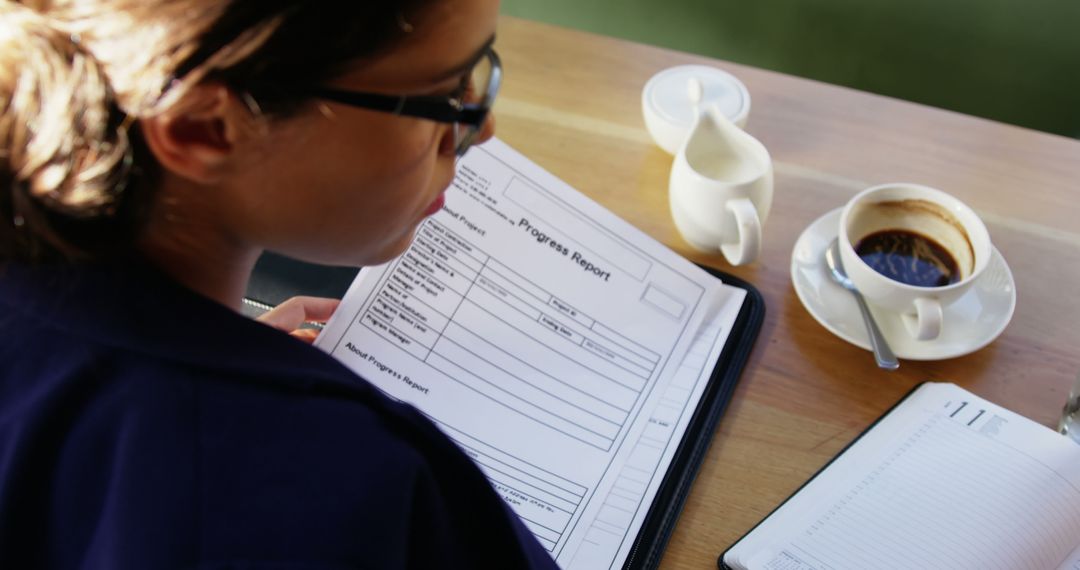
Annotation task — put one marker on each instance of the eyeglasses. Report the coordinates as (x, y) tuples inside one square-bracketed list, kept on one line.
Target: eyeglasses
[(466, 108)]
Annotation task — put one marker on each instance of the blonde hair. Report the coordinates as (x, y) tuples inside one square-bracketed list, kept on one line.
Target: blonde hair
[(75, 75)]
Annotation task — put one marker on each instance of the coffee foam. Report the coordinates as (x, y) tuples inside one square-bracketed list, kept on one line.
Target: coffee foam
[(919, 216)]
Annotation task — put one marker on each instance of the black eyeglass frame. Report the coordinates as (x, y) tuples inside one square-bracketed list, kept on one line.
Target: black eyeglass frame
[(443, 109)]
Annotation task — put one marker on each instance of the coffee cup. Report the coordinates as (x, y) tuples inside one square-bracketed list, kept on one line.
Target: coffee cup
[(912, 250)]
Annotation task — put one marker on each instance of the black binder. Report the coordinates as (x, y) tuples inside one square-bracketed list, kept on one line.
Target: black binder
[(277, 278)]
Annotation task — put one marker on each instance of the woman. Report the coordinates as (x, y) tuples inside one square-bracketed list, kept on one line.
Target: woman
[(150, 150)]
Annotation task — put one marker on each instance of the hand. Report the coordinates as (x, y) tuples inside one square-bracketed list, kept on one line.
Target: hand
[(290, 315)]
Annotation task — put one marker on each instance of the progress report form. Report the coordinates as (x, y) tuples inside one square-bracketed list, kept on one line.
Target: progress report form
[(561, 348)]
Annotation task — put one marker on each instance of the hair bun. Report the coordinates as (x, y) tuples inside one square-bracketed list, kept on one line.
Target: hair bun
[(60, 127), (63, 146)]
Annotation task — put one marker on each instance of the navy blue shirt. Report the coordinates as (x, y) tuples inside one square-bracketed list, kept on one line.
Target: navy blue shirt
[(144, 426)]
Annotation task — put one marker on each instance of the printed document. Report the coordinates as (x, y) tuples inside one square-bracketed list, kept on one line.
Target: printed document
[(564, 350)]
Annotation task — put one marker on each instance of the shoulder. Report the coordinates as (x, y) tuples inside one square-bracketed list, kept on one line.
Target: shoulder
[(348, 475), (231, 466), (203, 436)]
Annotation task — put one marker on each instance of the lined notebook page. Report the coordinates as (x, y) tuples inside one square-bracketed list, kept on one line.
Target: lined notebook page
[(1073, 563), (946, 480)]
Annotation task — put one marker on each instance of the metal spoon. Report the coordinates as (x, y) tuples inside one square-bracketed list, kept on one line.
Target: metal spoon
[(882, 353)]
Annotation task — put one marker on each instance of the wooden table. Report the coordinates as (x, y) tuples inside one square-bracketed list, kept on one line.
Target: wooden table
[(572, 102)]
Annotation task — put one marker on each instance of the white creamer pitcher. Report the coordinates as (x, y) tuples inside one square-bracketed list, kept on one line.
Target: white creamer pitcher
[(721, 186)]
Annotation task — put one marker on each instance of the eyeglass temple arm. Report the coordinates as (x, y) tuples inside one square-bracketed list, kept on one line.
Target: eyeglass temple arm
[(434, 108)]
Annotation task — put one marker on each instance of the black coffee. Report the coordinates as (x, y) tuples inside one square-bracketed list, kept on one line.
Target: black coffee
[(909, 258)]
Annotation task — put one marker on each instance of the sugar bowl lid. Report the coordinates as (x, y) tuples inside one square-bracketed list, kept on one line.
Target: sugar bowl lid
[(669, 107)]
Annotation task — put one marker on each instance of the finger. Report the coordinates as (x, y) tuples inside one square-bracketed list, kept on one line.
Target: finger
[(286, 316), (317, 309), (306, 335), (291, 314)]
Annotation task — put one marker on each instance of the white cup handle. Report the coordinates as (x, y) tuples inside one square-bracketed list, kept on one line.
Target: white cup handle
[(925, 324), (748, 229)]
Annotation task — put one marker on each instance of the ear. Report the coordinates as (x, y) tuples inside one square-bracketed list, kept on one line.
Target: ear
[(201, 136)]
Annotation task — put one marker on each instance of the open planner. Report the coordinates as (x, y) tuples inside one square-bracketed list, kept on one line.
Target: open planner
[(582, 365), (943, 480)]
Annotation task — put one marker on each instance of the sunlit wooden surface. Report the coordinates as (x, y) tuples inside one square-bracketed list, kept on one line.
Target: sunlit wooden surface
[(572, 103)]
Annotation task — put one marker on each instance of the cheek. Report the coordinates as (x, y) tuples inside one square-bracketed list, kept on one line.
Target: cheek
[(389, 149), (349, 194), (369, 210)]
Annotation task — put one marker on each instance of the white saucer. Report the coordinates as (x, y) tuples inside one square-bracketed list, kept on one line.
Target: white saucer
[(972, 322)]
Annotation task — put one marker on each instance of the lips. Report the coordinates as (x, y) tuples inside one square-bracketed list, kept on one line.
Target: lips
[(436, 205)]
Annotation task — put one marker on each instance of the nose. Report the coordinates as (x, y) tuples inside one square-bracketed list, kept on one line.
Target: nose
[(448, 142), (488, 130)]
